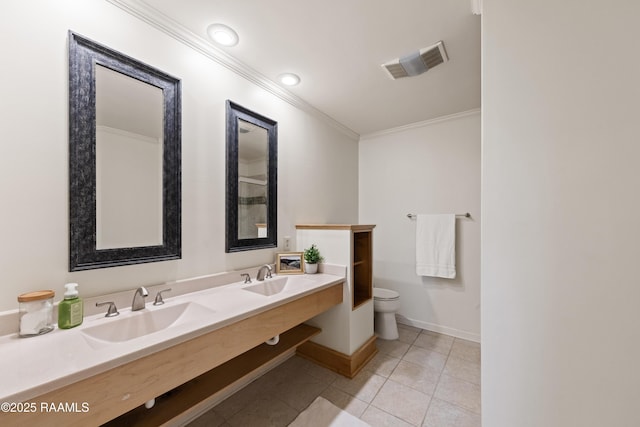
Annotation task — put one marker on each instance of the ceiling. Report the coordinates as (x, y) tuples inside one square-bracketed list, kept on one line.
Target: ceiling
[(337, 48)]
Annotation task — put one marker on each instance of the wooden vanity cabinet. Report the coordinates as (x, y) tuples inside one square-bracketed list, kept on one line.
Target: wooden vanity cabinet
[(200, 368)]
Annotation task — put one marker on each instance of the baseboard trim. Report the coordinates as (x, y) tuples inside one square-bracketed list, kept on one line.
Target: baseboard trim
[(338, 362), (439, 328)]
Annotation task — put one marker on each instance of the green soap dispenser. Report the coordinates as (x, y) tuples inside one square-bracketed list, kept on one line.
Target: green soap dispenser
[(70, 309)]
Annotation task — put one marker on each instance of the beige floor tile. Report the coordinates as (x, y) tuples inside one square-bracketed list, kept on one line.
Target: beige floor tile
[(279, 377), (434, 341), (403, 402), (444, 414), (382, 364), (317, 371), (409, 327), (239, 400), (208, 419), (463, 370), (378, 418), (408, 334), (394, 389), (459, 392), (344, 401), (466, 350), (300, 391), (264, 412), (290, 368), (423, 357), (364, 386), (421, 378), (392, 348)]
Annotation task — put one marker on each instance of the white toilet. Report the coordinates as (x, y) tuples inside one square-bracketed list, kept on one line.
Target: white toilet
[(385, 304)]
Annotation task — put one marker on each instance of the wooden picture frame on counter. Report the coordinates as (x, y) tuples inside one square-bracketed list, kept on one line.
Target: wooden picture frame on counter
[(290, 263)]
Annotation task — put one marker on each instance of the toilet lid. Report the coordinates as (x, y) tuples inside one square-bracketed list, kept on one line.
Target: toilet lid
[(385, 294)]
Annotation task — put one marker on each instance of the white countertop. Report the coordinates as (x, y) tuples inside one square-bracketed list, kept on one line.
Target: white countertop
[(34, 366)]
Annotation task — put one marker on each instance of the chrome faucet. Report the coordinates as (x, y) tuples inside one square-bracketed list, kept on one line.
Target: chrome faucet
[(138, 298), (159, 300), (112, 311), (261, 272)]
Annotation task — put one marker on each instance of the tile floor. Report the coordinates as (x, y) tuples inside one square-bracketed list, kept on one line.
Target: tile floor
[(423, 379)]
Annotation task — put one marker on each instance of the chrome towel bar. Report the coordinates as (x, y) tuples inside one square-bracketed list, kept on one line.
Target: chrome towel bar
[(464, 215)]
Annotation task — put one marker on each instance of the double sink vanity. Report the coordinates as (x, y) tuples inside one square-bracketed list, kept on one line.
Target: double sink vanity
[(112, 365)]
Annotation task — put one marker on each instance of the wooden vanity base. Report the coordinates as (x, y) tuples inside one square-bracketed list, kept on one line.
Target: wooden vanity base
[(338, 362), (202, 390)]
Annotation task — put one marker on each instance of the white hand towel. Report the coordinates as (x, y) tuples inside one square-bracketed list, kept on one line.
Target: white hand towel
[(436, 246)]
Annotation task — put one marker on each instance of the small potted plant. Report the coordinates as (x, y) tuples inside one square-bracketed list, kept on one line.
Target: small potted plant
[(311, 259)]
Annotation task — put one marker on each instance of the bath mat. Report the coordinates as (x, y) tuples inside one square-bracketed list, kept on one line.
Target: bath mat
[(322, 413)]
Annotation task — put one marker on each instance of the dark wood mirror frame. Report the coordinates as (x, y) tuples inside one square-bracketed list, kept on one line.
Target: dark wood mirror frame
[(233, 243), (84, 54)]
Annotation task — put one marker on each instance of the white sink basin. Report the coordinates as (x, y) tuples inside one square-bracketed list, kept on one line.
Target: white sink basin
[(147, 321), (270, 286), (279, 284)]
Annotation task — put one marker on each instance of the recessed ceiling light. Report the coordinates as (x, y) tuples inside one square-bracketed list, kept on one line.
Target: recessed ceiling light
[(289, 79), (222, 34)]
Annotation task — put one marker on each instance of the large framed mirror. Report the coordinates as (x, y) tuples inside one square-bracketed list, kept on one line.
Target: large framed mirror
[(252, 171), (124, 159)]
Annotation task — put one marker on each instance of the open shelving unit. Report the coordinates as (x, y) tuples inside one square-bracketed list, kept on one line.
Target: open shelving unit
[(347, 341), (362, 267), (201, 391)]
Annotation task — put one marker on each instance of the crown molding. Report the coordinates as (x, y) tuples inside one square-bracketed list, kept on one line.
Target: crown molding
[(169, 26), (476, 7), (421, 124)]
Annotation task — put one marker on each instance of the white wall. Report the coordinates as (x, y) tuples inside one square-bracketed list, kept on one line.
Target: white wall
[(560, 234), (432, 167), (34, 151)]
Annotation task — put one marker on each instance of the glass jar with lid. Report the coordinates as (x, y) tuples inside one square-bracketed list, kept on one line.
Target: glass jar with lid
[(36, 313)]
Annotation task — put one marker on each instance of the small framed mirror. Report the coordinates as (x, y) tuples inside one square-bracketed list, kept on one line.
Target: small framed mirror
[(124, 159), (252, 170)]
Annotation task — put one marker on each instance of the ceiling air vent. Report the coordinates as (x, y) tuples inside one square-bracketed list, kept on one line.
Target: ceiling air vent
[(418, 62)]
